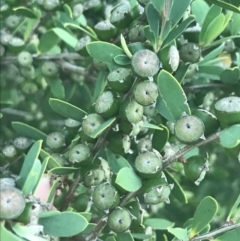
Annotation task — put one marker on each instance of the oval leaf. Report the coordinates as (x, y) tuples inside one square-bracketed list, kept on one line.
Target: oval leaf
[(63, 170), (160, 138), (158, 223), (132, 183), (66, 37), (25, 12), (230, 137), (179, 233), (48, 41), (6, 234), (208, 206), (64, 224), (67, 110)]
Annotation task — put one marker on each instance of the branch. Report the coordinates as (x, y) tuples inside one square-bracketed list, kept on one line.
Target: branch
[(188, 148), (213, 233), (205, 86), (72, 68)]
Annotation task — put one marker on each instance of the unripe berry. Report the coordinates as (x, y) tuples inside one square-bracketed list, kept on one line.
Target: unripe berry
[(158, 194), (105, 30), (94, 177), (55, 140), (136, 33), (49, 69), (29, 88), (145, 63), (94, 5), (146, 93), (6, 182), (25, 59), (12, 203), (148, 164), (81, 202), (150, 110), (79, 154), (119, 220), (59, 158), (190, 53), (77, 10), (22, 143), (105, 196), (91, 123), (120, 79), (144, 145), (50, 4), (189, 129), (28, 72), (12, 21), (81, 45), (9, 151)]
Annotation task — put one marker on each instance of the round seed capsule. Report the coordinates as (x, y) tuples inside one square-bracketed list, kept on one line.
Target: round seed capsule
[(121, 16), (12, 21), (81, 202), (22, 143), (144, 145), (148, 164), (145, 63), (146, 93), (91, 123), (136, 33), (157, 195), (50, 69), (105, 196), (77, 10), (94, 177), (12, 203), (227, 111), (25, 59), (59, 158), (79, 153), (119, 220), (105, 30), (190, 53), (150, 110), (6, 182), (120, 79), (81, 45), (55, 140), (50, 4), (131, 111), (106, 104), (29, 88), (9, 151), (189, 129), (28, 72)]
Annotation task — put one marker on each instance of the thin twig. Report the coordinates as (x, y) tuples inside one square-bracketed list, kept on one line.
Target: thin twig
[(72, 68), (213, 233)]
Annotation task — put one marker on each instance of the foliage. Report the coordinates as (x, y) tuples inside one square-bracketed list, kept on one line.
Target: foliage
[(128, 111)]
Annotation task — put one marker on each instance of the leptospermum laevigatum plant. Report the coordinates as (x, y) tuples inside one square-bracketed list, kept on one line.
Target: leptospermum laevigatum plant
[(129, 111)]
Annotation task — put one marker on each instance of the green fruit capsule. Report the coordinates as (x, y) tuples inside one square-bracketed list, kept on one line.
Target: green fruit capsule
[(93, 5), (70, 123), (59, 158), (91, 123), (227, 111), (107, 104), (49, 5), (105, 30), (189, 129), (12, 21), (121, 15), (79, 154), (22, 143), (77, 10), (120, 79), (146, 93), (119, 220), (144, 145), (169, 57), (94, 177), (145, 63), (131, 111), (158, 194), (150, 110), (55, 140), (81, 202), (12, 203), (6, 182), (9, 151), (195, 169), (50, 69), (148, 164), (81, 45), (190, 53), (209, 120), (105, 196), (29, 88), (136, 33), (25, 59), (28, 72)]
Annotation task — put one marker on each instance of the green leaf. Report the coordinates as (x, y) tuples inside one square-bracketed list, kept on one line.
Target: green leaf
[(158, 223), (212, 14), (25, 12), (69, 39), (52, 192), (199, 10), (151, 126), (149, 35), (124, 237), (110, 238), (56, 86), (208, 206), (177, 11), (64, 224), (177, 190), (63, 170), (100, 84), (230, 137), (175, 101), (116, 162), (160, 138), (132, 183), (95, 49), (210, 71), (213, 30), (102, 127), (234, 27), (232, 235), (51, 161), (181, 72), (226, 5), (179, 233), (29, 173), (28, 131), (48, 41), (122, 60), (230, 76), (151, 183), (158, 4), (67, 110), (5, 234), (176, 32), (233, 209)]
